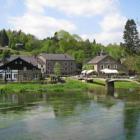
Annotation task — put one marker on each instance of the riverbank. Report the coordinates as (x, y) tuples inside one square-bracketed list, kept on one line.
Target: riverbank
[(123, 85), (70, 85)]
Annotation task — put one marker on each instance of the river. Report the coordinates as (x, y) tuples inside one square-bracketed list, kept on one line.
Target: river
[(70, 116)]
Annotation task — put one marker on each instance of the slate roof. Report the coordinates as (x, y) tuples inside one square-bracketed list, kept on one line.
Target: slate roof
[(29, 59), (59, 57), (97, 59), (16, 66)]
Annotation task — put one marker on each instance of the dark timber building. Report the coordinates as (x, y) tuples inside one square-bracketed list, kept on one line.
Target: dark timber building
[(20, 69)]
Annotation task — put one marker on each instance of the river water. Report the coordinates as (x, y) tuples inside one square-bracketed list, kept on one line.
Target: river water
[(70, 116)]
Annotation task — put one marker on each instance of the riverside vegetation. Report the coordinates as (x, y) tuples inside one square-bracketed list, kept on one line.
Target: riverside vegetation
[(70, 85)]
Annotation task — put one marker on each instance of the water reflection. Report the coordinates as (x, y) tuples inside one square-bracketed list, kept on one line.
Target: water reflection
[(131, 100), (80, 115)]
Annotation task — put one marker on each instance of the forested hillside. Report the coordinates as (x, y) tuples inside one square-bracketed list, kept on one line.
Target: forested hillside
[(19, 43)]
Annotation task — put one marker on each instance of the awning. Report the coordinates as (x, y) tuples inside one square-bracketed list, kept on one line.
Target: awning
[(109, 71), (89, 71), (84, 72)]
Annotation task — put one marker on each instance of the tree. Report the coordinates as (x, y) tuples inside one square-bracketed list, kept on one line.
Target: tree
[(115, 51), (88, 67), (4, 40), (6, 54), (57, 69), (131, 37), (132, 63)]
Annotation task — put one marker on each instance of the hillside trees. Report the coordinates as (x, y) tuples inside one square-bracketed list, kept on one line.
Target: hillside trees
[(4, 40), (115, 51)]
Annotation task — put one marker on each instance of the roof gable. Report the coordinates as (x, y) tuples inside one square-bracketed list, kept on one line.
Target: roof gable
[(29, 59), (18, 64), (59, 57), (98, 59)]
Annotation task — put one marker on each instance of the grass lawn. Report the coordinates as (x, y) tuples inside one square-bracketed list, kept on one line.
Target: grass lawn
[(124, 85), (70, 85)]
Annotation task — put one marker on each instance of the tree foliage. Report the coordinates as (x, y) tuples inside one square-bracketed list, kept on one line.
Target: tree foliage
[(131, 37), (133, 63), (5, 55), (88, 67), (4, 39)]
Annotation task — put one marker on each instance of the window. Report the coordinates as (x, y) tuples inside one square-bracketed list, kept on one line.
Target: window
[(15, 62), (20, 62), (115, 66), (25, 75), (8, 76), (25, 68), (108, 66), (15, 75), (35, 76), (102, 66), (1, 76)]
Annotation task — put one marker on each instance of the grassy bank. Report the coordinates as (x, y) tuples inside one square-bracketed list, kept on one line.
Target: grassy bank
[(124, 85), (70, 85)]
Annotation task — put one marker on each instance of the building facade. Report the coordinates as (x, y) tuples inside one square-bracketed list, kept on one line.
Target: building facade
[(48, 61), (106, 62), (19, 70)]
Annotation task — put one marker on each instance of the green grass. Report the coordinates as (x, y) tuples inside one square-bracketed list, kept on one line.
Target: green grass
[(126, 85), (70, 85)]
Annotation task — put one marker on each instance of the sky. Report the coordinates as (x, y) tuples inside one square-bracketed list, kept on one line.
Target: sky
[(103, 20)]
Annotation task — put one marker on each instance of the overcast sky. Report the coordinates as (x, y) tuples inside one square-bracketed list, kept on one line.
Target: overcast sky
[(103, 20)]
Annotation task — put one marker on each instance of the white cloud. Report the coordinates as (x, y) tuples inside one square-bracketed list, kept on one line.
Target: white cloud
[(36, 6), (112, 26), (40, 25), (83, 7), (35, 22), (109, 37), (104, 37), (112, 22)]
